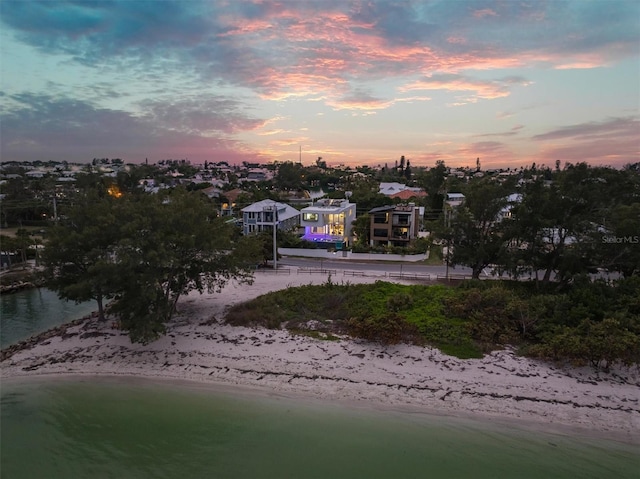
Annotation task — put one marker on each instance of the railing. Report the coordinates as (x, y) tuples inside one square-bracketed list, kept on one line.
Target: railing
[(454, 276), (365, 274), (317, 271), (418, 276), (273, 271)]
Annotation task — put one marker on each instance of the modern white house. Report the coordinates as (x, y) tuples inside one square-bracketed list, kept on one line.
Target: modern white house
[(263, 215), (328, 222)]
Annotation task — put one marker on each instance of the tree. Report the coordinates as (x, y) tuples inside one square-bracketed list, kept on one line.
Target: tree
[(553, 226), (407, 171), (476, 229), (144, 252), (79, 252), (171, 245), (433, 182), (23, 241), (289, 176), (618, 247), (362, 229)]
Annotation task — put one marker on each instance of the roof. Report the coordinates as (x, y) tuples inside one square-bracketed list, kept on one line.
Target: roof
[(390, 188), (379, 209), (284, 211), (329, 206), (262, 205), (408, 194), (232, 195)]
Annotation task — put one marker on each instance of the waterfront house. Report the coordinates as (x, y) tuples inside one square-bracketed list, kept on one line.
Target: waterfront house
[(263, 215), (394, 225), (328, 222)]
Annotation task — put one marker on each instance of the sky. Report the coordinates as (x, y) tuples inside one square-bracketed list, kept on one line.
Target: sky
[(359, 82)]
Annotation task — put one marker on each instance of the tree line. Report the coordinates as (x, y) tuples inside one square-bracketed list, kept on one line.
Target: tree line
[(140, 253), (549, 225)]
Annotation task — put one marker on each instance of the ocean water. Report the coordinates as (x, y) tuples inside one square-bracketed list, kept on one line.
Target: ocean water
[(139, 429), (32, 311)]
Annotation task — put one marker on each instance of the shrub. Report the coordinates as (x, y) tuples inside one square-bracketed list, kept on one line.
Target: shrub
[(387, 329)]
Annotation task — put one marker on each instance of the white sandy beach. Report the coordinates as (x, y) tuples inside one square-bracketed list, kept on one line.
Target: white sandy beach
[(199, 347)]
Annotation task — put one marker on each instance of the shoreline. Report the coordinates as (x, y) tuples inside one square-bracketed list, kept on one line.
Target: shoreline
[(201, 350), (252, 391)]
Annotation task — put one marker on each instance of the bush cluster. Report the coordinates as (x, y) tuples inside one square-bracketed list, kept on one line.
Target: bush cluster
[(590, 323)]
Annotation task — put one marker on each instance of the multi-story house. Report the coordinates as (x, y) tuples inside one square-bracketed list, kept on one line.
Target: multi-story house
[(263, 215), (328, 222), (394, 225)]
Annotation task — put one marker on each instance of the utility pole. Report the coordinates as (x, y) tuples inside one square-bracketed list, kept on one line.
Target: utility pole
[(274, 211), (275, 247)]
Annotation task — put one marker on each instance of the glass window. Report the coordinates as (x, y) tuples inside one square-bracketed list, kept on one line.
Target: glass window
[(310, 216)]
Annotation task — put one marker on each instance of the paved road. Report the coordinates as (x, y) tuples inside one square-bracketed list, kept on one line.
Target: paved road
[(384, 266)]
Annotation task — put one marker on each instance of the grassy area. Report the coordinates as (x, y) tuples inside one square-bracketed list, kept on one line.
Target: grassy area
[(382, 311), (435, 256), (592, 323)]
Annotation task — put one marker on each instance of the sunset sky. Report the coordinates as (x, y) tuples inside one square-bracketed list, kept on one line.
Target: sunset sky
[(355, 82)]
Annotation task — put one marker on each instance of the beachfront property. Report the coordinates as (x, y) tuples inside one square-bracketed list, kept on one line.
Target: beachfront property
[(328, 222), (395, 225), (263, 215)]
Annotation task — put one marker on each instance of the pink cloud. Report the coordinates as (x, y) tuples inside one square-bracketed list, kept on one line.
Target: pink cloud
[(485, 12), (457, 83)]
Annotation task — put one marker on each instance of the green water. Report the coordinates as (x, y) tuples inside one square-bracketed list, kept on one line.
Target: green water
[(32, 311), (115, 429)]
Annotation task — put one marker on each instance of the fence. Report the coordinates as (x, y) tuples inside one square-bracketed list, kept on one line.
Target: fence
[(273, 271), (317, 271)]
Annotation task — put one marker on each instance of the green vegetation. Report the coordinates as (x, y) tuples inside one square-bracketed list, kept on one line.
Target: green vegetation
[(554, 226), (142, 252), (590, 323)]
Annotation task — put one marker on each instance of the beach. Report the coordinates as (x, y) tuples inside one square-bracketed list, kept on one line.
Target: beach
[(199, 347)]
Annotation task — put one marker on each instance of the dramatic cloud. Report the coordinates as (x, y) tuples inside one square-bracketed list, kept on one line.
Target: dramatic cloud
[(615, 141), (200, 115), (78, 131), (206, 73)]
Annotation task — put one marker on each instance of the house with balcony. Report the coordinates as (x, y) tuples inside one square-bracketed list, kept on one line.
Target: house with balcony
[(265, 214), (395, 225), (328, 222)]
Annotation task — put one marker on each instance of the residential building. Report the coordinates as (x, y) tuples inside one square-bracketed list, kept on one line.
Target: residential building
[(392, 188), (262, 216), (452, 201), (512, 201), (395, 225), (229, 202), (408, 194), (328, 222)]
